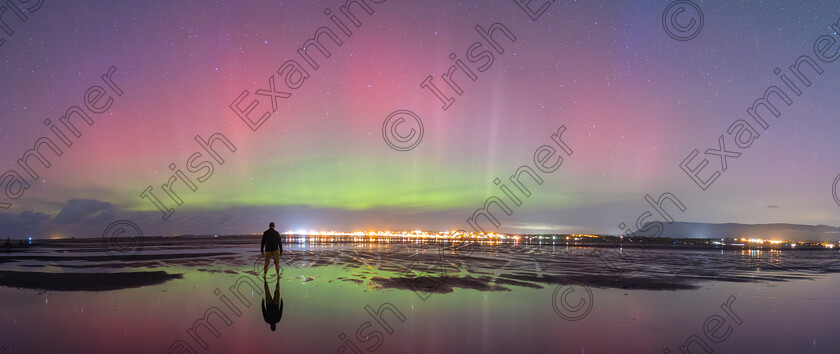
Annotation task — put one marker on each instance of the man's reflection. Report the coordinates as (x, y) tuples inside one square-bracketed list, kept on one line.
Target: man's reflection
[(272, 306)]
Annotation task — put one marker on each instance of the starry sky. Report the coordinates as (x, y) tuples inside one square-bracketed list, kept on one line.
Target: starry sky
[(635, 103)]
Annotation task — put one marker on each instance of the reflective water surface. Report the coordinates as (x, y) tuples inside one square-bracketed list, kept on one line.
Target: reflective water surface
[(209, 295)]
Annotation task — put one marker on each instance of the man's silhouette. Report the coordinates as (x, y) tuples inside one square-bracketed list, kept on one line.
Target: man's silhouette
[(273, 247), (272, 306)]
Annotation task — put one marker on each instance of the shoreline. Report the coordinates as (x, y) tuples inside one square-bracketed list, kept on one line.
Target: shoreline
[(594, 241)]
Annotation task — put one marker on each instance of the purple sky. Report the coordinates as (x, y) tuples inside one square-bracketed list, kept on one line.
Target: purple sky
[(634, 101)]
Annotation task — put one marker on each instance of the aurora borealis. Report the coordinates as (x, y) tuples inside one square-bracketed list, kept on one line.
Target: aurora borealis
[(635, 102)]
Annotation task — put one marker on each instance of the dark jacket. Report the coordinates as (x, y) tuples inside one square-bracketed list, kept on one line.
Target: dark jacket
[(271, 241), (272, 312)]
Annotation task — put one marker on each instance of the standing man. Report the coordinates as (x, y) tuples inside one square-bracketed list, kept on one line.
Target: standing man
[(273, 248)]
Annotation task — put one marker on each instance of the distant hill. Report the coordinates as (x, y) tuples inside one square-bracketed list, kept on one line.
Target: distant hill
[(790, 232)]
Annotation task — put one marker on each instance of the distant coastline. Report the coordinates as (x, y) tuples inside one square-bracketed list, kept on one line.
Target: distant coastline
[(397, 237)]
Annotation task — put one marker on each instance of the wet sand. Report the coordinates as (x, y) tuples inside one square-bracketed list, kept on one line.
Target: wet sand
[(414, 266), (487, 298), (83, 281)]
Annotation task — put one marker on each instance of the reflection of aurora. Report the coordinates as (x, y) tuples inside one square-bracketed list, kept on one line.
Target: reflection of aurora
[(213, 312)]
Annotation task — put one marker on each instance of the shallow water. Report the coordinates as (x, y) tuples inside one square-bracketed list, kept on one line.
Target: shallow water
[(490, 299)]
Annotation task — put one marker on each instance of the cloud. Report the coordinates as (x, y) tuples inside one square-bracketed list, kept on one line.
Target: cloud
[(25, 223), (773, 206), (78, 209), (26, 218)]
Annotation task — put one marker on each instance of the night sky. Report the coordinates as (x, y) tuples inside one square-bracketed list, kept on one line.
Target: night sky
[(635, 103)]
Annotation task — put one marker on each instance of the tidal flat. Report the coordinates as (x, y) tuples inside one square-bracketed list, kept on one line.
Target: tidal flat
[(207, 294)]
